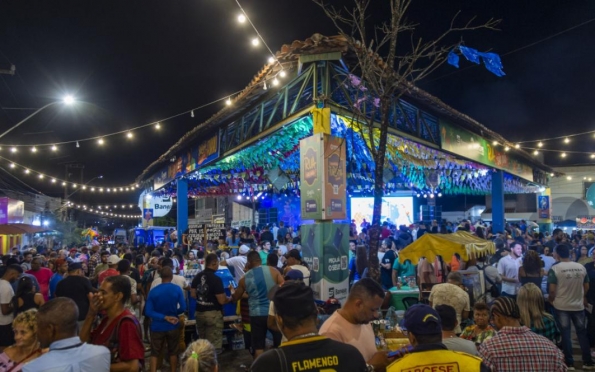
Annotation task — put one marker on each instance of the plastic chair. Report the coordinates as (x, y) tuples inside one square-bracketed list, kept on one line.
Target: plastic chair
[(410, 301)]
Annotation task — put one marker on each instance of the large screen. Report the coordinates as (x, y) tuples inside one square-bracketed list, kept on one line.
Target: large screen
[(399, 210)]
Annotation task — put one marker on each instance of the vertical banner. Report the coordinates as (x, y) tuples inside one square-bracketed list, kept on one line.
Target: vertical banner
[(147, 217), (3, 211), (544, 206), (325, 248), (323, 178)]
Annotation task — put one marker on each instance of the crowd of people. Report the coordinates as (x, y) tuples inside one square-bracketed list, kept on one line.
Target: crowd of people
[(102, 308)]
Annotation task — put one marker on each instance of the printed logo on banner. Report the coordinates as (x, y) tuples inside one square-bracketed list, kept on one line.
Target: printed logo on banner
[(335, 172), (310, 166), (311, 206)]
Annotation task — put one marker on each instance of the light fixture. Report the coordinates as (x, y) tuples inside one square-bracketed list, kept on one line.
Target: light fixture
[(13, 149), (41, 176), (129, 135), (540, 144), (77, 144), (69, 100), (53, 180), (590, 179), (157, 126), (12, 165), (54, 148), (101, 189), (495, 143), (192, 113), (239, 197), (506, 148), (517, 146), (439, 194), (282, 73), (26, 171), (425, 195), (84, 187), (74, 185), (255, 41), (92, 188), (241, 18), (275, 82), (271, 59), (228, 102), (100, 141), (535, 152), (552, 175), (592, 156), (566, 140), (569, 178), (563, 154), (33, 149), (63, 183)]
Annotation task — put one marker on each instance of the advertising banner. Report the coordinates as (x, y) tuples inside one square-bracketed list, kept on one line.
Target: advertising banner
[(544, 206), (585, 222), (208, 151), (325, 248), (323, 178), (3, 211), (147, 217), (159, 205), (462, 142)]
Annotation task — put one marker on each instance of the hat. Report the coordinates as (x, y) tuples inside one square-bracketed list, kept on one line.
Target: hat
[(113, 260), (75, 266), (294, 275), (73, 250), (295, 299), (422, 319), (244, 249)]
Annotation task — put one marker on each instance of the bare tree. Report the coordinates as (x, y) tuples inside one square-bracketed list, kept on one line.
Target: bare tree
[(386, 75)]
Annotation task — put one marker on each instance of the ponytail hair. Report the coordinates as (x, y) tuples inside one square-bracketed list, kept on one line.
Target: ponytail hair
[(200, 356)]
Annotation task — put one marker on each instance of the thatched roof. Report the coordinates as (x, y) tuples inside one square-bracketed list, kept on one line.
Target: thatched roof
[(288, 56)]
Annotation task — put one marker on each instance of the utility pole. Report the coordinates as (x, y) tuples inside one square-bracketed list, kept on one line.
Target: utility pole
[(67, 178)]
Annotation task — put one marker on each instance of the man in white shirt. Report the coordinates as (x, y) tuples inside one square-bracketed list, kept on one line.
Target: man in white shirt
[(508, 268), (568, 286), (6, 312), (238, 263)]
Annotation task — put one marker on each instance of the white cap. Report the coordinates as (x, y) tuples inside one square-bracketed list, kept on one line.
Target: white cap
[(244, 249)]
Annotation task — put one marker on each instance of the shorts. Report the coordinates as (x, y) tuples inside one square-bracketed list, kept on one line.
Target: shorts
[(6, 335), (159, 339), (258, 325)]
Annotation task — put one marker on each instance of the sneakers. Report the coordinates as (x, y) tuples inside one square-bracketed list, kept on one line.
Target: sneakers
[(588, 367), (570, 368)]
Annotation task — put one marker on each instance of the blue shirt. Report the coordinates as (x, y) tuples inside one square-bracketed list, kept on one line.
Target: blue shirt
[(72, 358), (54, 283), (259, 281), (166, 299)]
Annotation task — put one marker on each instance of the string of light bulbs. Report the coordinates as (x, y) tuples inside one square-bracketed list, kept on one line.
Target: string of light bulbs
[(54, 180), (108, 214)]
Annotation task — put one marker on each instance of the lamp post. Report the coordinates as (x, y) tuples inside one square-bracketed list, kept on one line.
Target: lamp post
[(68, 100)]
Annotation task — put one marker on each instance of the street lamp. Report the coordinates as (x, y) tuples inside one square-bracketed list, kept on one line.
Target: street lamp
[(68, 100)]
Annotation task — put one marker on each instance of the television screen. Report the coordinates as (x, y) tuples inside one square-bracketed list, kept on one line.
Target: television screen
[(397, 209)]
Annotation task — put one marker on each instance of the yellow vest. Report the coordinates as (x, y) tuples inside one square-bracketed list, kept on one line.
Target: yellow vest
[(436, 361)]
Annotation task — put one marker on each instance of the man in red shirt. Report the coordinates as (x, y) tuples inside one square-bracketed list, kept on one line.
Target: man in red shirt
[(43, 276), (112, 262), (119, 330)]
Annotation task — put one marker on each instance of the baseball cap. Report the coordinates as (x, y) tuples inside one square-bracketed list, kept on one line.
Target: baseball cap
[(295, 299), (113, 259), (244, 249), (73, 250), (294, 275), (75, 266), (422, 319)]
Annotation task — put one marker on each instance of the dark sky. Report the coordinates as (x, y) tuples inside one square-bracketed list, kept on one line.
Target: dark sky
[(133, 62)]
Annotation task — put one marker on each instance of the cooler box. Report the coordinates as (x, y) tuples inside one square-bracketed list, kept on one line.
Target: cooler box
[(397, 296), (223, 272)]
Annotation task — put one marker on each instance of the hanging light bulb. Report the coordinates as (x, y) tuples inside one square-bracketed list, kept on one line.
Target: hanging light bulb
[(569, 178), (33, 149), (228, 102), (192, 113), (255, 41), (27, 171), (100, 141), (563, 154), (13, 149), (41, 176), (74, 185), (282, 73), (517, 146), (12, 165), (275, 82), (592, 156), (566, 140), (241, 18), (157, 126), (540, 144), (77, 144), (129, 135), (63, 183), (53, 180), (271, 60), (54, 148), (495, 143), (506, 148), (265, 86), (535, 152)]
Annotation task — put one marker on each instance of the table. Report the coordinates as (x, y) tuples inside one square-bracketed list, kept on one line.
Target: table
[(397, 296)]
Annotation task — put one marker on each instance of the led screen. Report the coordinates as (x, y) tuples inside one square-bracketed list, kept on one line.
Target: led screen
[(398, 209)]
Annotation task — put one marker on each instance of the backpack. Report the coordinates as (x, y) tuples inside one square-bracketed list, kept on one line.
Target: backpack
[(113, 342), (494, 289)]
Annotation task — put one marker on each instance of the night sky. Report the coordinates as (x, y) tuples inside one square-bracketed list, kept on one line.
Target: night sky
[(134, 62)]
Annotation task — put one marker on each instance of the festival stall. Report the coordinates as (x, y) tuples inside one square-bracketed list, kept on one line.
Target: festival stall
[(11, 235)]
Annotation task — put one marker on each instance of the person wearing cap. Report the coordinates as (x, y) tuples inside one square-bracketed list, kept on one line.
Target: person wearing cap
[(207, 288), (295, 262), (351, 324), (508, 268), (305, 350), (257, 283), (238, 263), (61, 268), (112, 263), (76, 287), (515, 347), (72, 255), (423, 327)]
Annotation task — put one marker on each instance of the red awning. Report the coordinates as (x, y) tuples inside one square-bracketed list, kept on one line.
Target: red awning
[(21, 228)]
